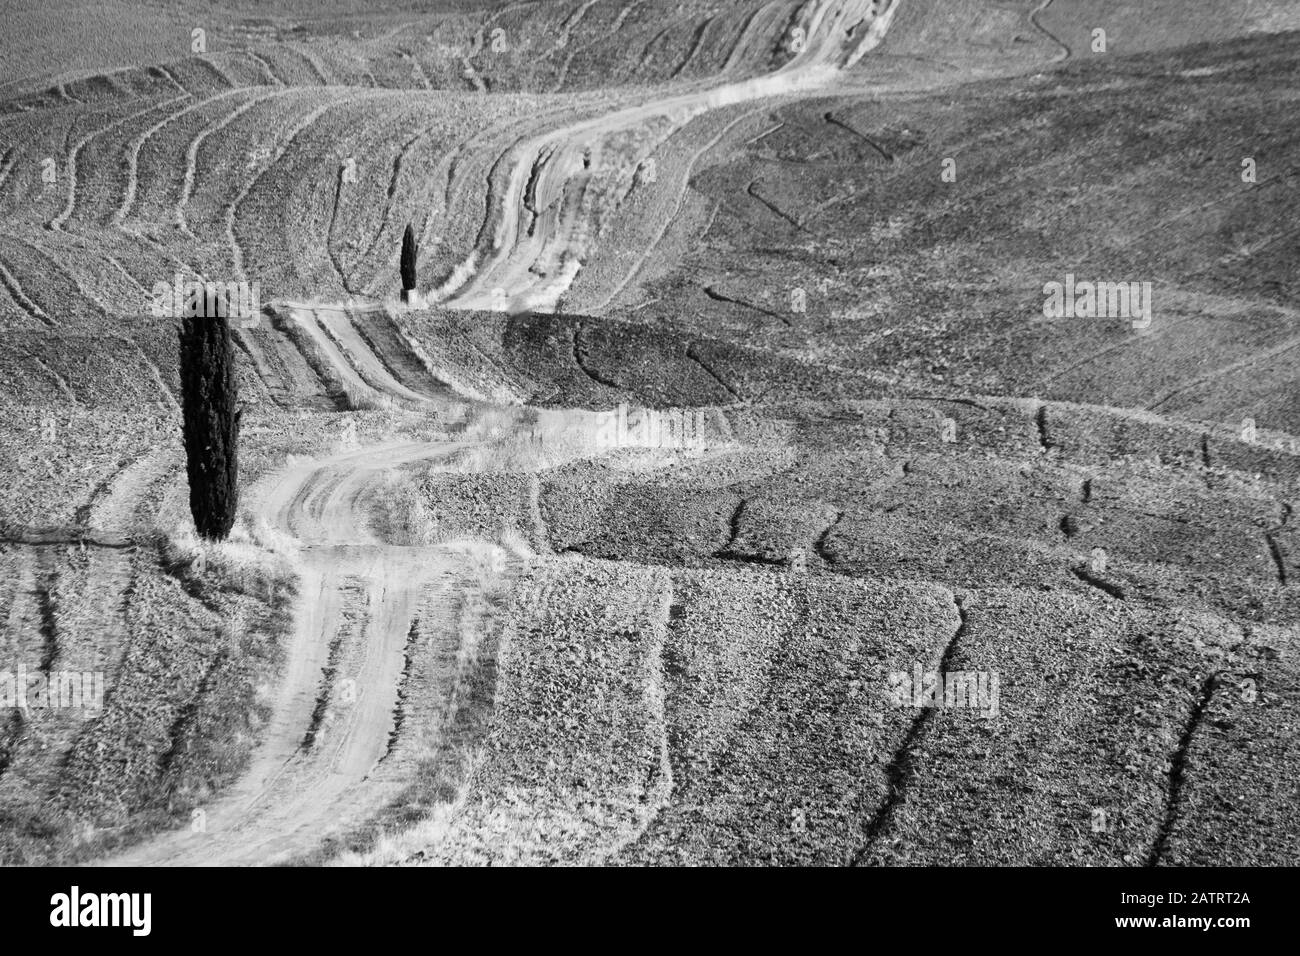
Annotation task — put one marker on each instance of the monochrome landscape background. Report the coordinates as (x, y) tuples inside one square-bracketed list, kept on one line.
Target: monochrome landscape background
[(726, 392)]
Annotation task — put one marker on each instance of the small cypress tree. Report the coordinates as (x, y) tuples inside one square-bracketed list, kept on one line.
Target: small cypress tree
[(409, 252), (210, 422)]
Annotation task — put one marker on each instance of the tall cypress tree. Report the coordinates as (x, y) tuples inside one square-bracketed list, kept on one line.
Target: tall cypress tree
[(210, 395), (409, 252)]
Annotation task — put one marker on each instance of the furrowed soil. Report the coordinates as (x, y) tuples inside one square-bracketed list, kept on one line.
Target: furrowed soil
[(726, 404)]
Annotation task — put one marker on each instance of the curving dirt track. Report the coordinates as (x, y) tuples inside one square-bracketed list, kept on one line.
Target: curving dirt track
[(315, 773), (548, 222), (311, 772)]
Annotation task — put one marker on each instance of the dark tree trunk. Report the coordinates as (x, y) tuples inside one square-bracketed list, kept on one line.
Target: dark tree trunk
[(211, 423), (409, 252)]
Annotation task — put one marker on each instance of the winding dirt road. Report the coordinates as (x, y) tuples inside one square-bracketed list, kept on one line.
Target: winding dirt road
[(358, 600), (319, 769), (561, 183)]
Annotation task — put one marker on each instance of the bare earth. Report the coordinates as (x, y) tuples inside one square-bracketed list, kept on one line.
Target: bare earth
[(493, 600)]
